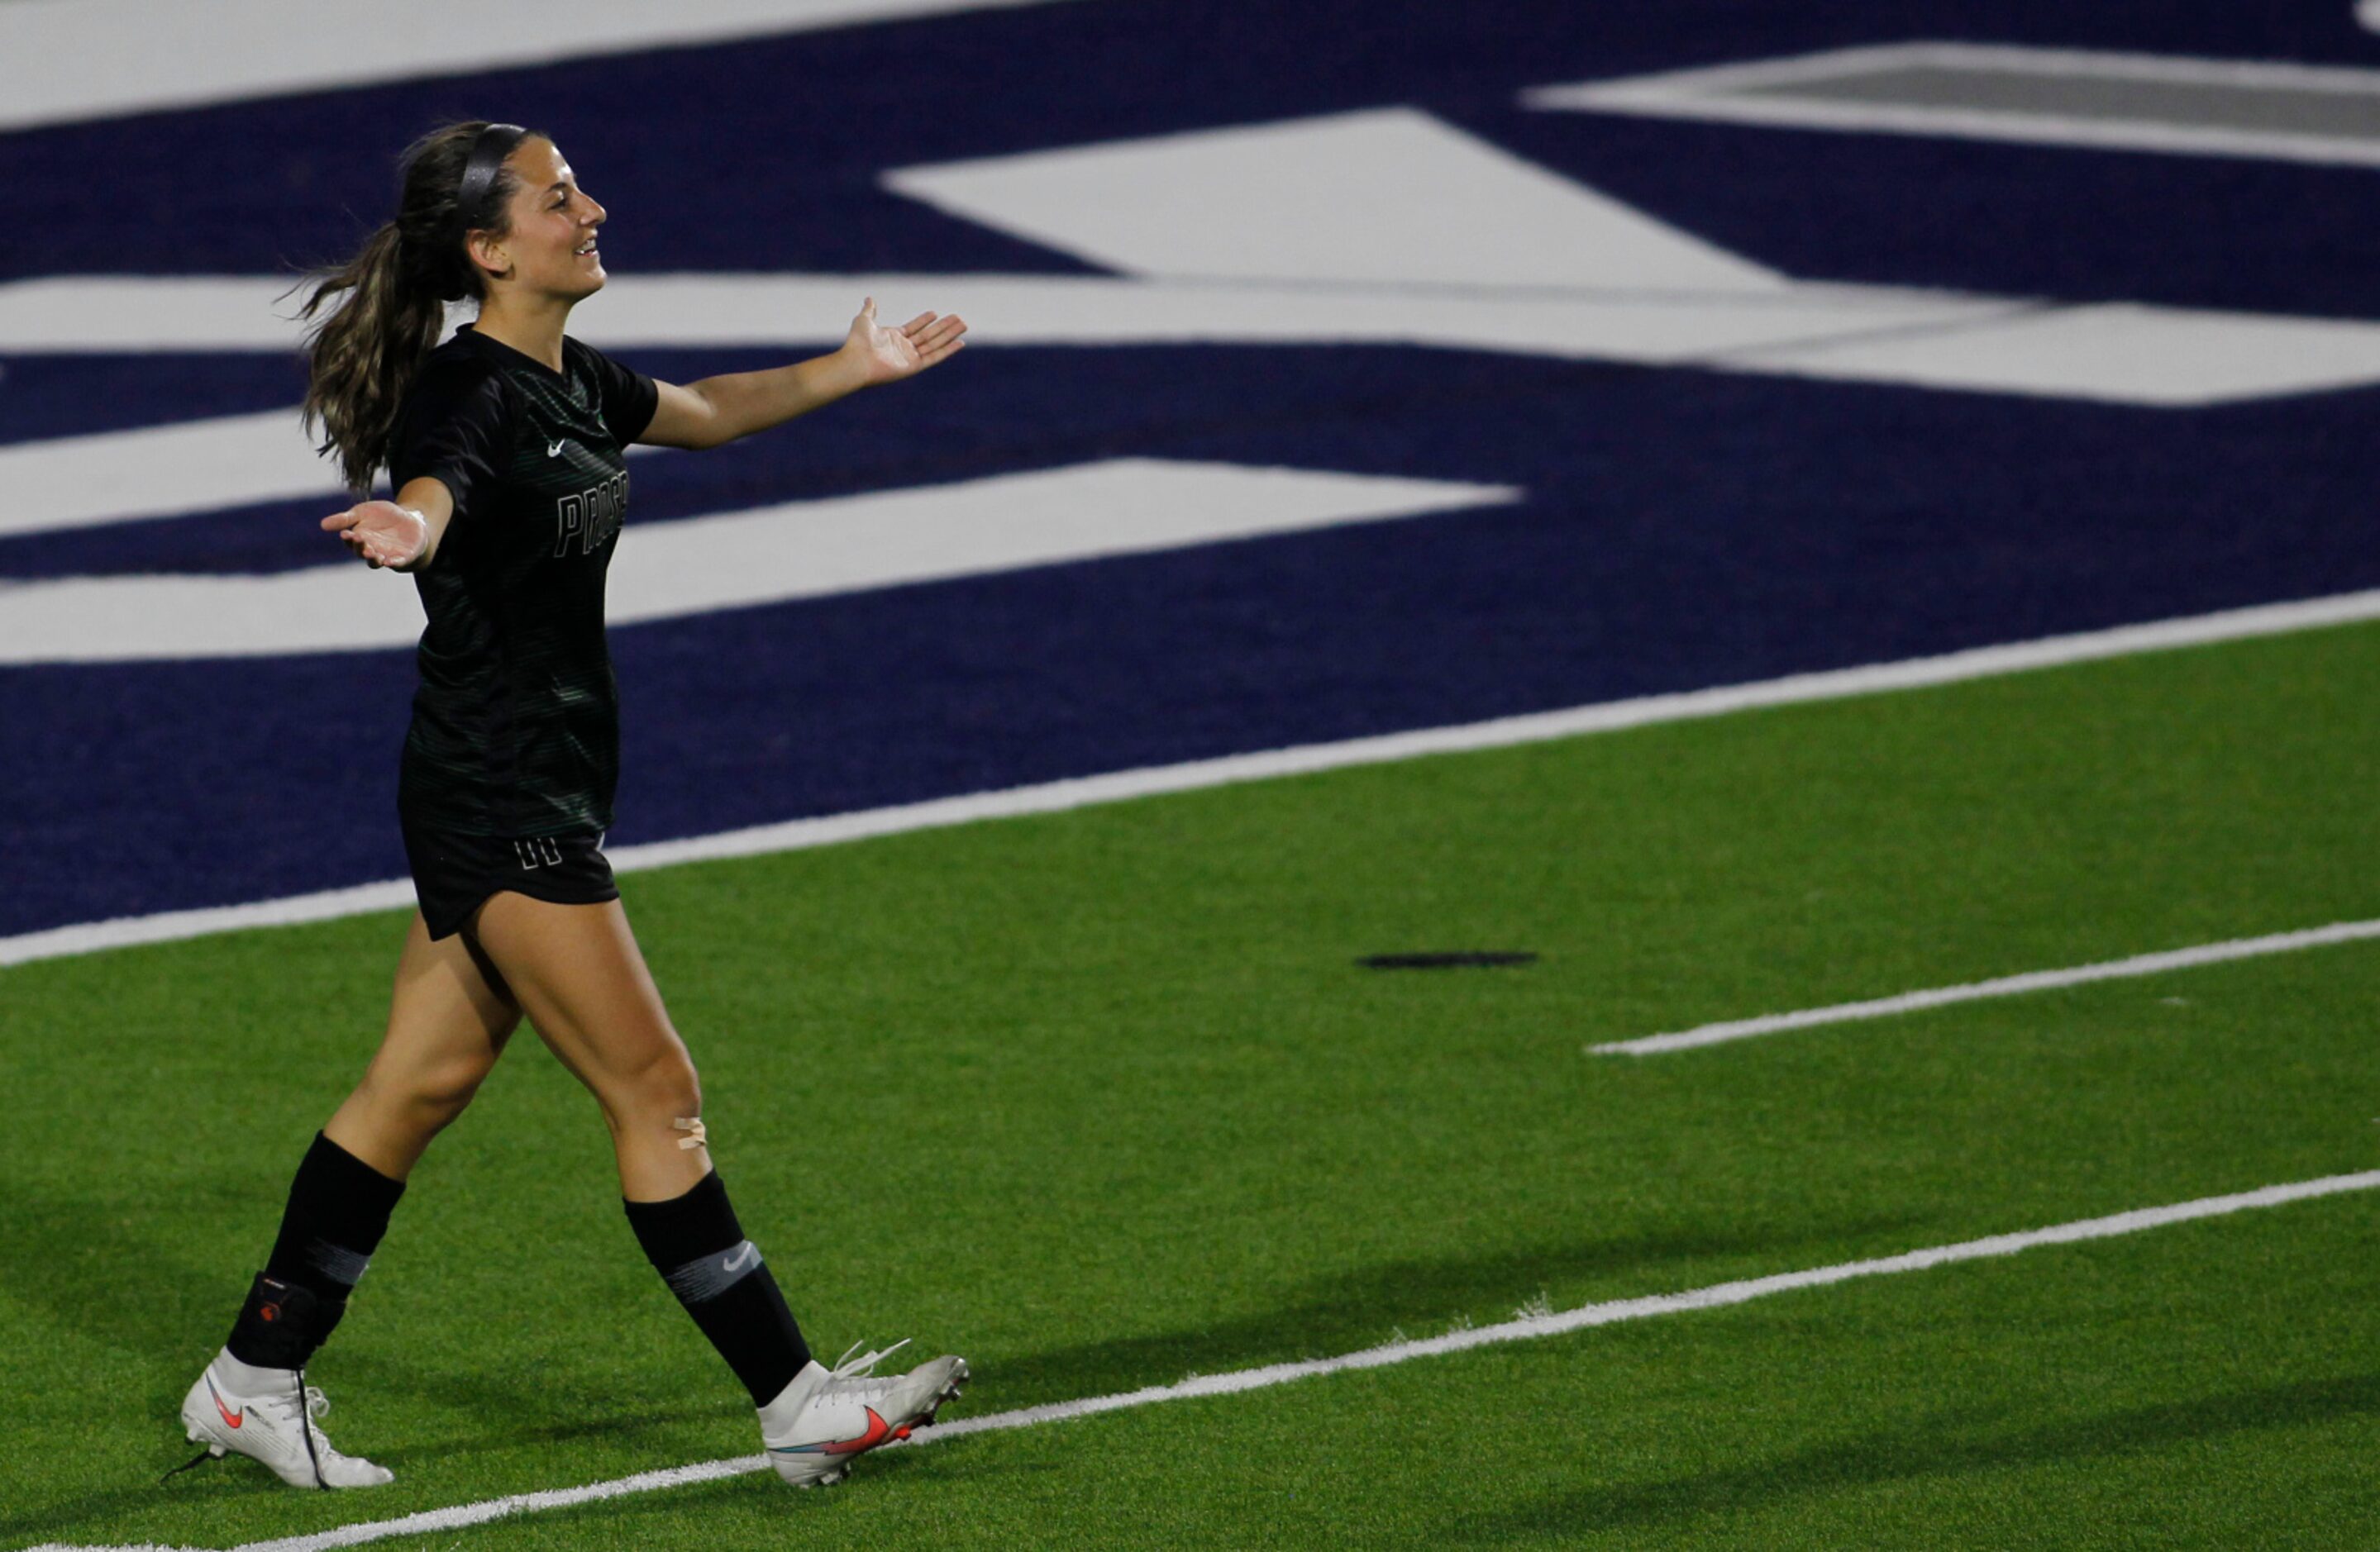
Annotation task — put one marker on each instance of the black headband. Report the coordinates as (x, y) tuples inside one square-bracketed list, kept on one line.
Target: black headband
[(489, 150)]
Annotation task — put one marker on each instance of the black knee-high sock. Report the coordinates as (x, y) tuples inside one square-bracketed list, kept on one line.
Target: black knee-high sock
[(338, 1210), (700, 1249)]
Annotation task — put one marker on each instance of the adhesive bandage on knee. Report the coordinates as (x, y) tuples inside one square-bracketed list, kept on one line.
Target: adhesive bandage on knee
[(696, 1137)]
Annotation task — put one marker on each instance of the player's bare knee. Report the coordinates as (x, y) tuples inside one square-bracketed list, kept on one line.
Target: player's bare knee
[(685, 1116), (449, 1091), (434, 1096), (666, 1089)]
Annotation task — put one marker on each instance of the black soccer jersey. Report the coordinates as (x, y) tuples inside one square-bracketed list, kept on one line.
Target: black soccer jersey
[(516, 727)]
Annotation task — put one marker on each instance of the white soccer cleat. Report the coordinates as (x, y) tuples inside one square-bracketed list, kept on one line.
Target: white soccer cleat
[(229, 1410), (825, 1419)]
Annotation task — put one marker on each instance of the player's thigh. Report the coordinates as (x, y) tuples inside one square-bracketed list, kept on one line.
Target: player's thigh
[(579, 973), (449, 1017)]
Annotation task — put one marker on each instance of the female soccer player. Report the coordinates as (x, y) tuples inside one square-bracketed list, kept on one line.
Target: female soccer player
[(503, 449)]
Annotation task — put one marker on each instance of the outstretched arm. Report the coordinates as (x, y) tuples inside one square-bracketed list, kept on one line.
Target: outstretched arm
[(402, 534), (720, 409)]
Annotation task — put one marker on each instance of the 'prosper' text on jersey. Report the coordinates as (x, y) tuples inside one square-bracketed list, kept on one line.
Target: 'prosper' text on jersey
[(592, 518), (516, 727)]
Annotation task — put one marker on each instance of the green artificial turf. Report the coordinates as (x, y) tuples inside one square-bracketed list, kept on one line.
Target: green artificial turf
[(2210, 1385), (1101, 1099)]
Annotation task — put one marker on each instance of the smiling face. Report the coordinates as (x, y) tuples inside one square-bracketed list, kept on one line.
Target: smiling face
[(551, 249)]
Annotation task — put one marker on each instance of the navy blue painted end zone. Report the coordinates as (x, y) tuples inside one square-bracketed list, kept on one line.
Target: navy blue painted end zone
[(1681, 530), (762, 153)]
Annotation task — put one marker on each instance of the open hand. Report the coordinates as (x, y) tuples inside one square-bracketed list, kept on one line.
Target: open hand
[(888, 355), (384, 533)]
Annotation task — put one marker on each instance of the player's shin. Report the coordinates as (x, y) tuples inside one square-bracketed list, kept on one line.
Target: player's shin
[(698, 1247), (337, 1212)]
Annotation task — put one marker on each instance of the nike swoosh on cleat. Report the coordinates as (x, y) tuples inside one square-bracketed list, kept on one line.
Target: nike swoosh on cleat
[(232, 1422), (878, 1432), (553, 449)]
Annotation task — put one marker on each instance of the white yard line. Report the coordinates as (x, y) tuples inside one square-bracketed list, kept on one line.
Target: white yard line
[(1983, 662), (71, 61), (1759, 92), (1524, 1329), (1833, 65), (799, 310), (1386, 196), (2098, 352), (2004, 986), (738, 559)]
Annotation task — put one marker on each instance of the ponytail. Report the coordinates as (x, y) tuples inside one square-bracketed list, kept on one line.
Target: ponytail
[(382, 312), (365, 354)]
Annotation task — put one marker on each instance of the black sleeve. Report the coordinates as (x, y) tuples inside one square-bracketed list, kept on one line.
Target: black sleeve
[(454, 428), (627, 397)]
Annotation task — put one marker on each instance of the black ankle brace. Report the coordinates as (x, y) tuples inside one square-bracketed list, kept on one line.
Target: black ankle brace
[(281, 1324)]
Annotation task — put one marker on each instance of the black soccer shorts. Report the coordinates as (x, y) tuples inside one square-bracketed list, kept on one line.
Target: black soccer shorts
[(453, 873)]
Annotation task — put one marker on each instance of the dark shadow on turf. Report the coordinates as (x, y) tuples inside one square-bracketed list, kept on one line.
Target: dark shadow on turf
[(1896, 1457), (102, 1277), (670, 1506), (76, 1517), (142, 1491), (598, 1414), (105, 1278), (1367, 1307)]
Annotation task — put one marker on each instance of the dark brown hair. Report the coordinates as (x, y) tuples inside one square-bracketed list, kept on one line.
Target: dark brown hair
[(384, 309)]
